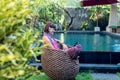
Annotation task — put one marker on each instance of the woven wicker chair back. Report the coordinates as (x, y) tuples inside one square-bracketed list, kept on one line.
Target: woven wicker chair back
[(58, 65)]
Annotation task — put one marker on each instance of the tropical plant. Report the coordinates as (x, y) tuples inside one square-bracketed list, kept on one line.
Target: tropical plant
[(16, 43), (99, 14), (84, 25), (45, 10)]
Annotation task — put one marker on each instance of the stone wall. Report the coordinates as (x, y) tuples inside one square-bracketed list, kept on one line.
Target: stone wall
[(79, 15)]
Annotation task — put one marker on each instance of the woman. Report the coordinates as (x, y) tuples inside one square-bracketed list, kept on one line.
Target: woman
[(52, 42), (49, 39)]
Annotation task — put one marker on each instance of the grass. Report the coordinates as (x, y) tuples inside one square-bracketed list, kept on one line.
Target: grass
[(80, 76), (41, 76), (118, 74), (84, 76)]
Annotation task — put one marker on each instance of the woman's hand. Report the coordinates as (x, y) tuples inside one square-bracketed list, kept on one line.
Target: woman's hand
[(64, 46)]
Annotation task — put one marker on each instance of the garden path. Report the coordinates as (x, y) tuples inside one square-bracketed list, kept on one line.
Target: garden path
[(104, 76)]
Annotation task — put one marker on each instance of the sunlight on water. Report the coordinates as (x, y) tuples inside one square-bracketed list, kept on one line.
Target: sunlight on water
[(116, 47), (62, 37)]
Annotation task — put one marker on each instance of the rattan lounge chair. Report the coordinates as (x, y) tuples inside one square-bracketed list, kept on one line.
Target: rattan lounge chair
[(58, 65)]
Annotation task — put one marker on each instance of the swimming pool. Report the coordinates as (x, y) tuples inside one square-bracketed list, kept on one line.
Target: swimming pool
[(91, 41)]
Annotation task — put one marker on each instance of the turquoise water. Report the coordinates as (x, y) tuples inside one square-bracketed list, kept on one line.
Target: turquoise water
[(91, 41)]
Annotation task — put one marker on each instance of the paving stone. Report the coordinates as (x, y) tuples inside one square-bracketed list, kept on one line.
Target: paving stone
[(104, 76)]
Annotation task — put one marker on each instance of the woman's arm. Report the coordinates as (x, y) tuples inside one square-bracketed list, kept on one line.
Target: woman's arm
[(47, 41), (64, 45), (59, 41)]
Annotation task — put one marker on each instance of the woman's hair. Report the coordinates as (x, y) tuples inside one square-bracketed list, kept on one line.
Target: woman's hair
[(48, 24)]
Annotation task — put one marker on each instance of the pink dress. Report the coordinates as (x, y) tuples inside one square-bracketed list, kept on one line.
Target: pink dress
[(52, 40)]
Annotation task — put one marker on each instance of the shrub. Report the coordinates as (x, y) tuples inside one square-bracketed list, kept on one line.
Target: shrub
[(15, 43)]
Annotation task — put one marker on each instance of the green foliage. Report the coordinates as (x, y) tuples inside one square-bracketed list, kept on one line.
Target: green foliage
[(12, 14), (80, 76), (16, 43), (84, 76), (41, 76), (45, 10), (51, 12), (84, 25), (15, 54), (97, 12), (118, 74), (100, 14)]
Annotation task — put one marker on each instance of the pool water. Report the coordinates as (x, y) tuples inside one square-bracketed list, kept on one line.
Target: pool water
[(91, 41)]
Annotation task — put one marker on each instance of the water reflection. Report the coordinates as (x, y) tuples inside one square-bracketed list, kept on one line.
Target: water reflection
[(108, 43), (116, 47), (62, 37), (96, 41)]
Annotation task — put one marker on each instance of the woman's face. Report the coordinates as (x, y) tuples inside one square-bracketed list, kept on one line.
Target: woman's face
[(51, 30)]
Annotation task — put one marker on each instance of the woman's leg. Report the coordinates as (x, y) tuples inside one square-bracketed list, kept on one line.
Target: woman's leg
[(74, 52)]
